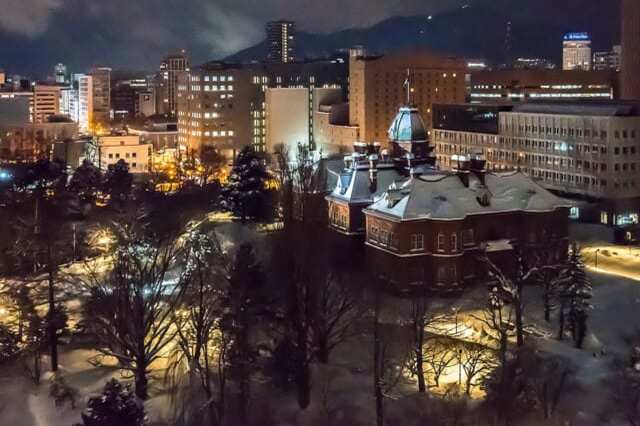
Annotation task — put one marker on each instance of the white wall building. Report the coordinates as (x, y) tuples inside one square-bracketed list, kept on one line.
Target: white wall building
[(128, 148)]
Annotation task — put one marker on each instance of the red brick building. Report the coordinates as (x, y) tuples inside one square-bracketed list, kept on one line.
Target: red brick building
[(429, 227)]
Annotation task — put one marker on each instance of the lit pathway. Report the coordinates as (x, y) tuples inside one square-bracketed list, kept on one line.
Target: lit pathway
[(622, 261)]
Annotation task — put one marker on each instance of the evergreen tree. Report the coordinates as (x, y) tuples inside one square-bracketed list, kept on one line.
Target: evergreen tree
[(117, 406), (118, 182), (576, 296), (86, 181), (212, 163), (246, 194)]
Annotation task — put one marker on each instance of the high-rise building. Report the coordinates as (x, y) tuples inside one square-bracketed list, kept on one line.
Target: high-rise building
[(101, 95), (69, 102), (608, 60), (61, 75), (576, 52), (85, 101), (166, 81), (377, 87), (630, 80), (224, 105), (125, 92), (281, 39), (45, 102)]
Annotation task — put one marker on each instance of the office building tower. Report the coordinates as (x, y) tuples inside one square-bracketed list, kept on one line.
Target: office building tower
[(377, 88), (608, 60), (224, 105), (576, 52), (61, 76), (101, 95), (630, 74), (281, 39), (165, 85), (45, 102), (84, 84)]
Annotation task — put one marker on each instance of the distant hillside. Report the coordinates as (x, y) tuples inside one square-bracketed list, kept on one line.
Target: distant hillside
[(475, 30)]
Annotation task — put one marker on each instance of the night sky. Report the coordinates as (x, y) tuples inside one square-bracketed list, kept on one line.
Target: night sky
[(134, 34)]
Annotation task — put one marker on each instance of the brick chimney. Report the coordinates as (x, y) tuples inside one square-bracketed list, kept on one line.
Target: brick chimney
[(373, 173)]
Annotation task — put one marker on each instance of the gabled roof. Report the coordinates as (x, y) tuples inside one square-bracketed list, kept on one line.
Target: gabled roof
[(445, 197)]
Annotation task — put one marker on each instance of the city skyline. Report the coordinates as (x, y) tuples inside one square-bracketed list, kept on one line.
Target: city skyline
[(93, 32)]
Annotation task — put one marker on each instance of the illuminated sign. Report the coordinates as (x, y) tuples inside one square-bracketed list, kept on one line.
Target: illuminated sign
[(577, 37)]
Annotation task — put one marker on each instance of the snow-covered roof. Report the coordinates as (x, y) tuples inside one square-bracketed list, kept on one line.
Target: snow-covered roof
[(445, 197), (354, 186)]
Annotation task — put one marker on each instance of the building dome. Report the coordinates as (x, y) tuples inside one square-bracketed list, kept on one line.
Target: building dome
[(408, 126)]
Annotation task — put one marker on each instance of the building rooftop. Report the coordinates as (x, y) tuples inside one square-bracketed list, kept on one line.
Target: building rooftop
[(604, 109), (446, 197)]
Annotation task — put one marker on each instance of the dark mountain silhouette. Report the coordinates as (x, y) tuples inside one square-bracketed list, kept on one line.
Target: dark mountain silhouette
[(474, 30)]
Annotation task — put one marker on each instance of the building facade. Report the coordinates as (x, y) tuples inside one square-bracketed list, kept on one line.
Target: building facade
[(588, 151), (101, 95), (608, 60), (45, 102), (542, 85), (630, 49), (33, 141), (424, 227), (377, 88), (281, 39), (224, 105), (576, 52), (125, 147)]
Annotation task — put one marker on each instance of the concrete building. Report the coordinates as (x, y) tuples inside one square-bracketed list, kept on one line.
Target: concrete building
[(224, 105), (101, 95), (45, 102), (590, 151), (290, 115), (545, 85), (576, 52), (125, 147), (125, 96), (147, 103), (15, 108), (69, 102), (608, 60), (331, 129), (32, 141), (377, 88), (85, 116), (281, 39), (630, 72), (165, 84), (533, 64)]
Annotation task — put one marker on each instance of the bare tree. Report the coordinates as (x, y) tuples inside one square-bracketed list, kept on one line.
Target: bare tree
[(419, 320), (439, 354), (476, 361), (200, 354), (131, 306), (512, 290), (335, 313)]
